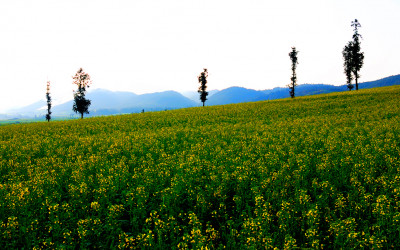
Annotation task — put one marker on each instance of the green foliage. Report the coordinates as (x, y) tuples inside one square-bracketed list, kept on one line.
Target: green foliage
[(203, 86), (354, 58), (81, 104), (315, 172), (48, 98), (348, 70)]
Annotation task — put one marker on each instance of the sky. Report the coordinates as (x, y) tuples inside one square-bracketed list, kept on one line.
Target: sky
[(146, 46)]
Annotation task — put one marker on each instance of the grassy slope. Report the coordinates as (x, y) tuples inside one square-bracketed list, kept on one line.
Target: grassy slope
[(313, 171)]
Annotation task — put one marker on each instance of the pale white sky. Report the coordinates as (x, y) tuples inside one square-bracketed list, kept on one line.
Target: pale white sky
[(147, 46)]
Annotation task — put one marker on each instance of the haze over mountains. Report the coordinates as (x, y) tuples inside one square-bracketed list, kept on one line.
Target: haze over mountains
[(106, 102)]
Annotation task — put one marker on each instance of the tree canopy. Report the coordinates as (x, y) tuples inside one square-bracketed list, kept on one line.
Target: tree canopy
[(83, 81)]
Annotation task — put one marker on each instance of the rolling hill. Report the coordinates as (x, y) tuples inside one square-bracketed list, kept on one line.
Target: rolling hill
[(304, 173)]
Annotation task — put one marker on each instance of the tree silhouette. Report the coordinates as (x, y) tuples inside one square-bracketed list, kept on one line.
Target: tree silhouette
[(357, 59), (203, 86), (81, 104), (293, 58), (347, 57), (48, 97)]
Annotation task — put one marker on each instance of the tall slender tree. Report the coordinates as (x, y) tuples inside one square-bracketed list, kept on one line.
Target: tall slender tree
[(293, 58), (48, 97), (348, 70), (203, 86), (357, 56), (81, 104)]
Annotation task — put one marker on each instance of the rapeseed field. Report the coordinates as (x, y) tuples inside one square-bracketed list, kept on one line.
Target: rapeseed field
[(310, 172)]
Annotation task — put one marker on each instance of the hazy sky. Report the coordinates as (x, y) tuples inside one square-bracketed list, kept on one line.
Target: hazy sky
[(147, 46)]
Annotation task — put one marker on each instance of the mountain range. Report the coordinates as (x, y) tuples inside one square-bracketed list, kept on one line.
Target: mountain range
[(106, 102)]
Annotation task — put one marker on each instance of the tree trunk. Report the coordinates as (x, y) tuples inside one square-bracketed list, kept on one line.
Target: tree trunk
[(356, 83), (203, 104), (81, 115)]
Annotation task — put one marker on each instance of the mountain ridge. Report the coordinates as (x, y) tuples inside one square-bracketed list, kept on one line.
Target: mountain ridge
[(107, 102)]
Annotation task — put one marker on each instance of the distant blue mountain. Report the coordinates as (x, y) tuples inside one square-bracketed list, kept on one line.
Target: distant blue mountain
[(302, 90), (235, 95), (105, 102), (27, 109), (387, 81), (240, 94), (194, 95)]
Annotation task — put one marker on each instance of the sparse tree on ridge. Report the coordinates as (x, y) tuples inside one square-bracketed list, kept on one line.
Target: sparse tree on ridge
[(348, 70), (203, 86), (48, 97), (357, 56), (293, 58), (81, 104)]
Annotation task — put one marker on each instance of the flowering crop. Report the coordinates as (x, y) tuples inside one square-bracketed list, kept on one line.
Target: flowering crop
[(312, 172)]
